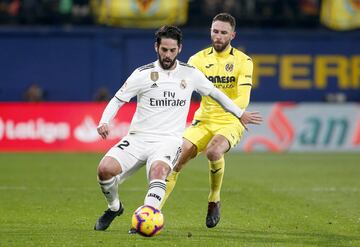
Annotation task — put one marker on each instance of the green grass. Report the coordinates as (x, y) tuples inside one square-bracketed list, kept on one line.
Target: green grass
[(267, 200)]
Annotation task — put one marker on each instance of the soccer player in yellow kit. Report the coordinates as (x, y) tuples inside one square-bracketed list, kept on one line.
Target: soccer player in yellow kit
[(213, 130)]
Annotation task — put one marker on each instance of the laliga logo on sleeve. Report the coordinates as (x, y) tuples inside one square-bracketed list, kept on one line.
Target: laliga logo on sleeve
[(123, 87)]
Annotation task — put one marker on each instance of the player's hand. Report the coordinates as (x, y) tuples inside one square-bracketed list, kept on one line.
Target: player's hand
[(250, 118), (103, 130)]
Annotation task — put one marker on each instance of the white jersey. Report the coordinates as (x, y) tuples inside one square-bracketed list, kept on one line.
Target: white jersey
[(163, 97)]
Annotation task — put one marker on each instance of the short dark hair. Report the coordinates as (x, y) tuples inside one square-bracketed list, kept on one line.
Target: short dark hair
[(171, 32), (225, 17)]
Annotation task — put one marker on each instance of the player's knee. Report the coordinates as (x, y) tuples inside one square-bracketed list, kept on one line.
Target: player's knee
[(213, 154), (107, 169), (159, 171), (104, 172)]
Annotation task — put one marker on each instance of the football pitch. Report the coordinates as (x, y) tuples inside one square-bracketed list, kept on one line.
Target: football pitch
[(298, 199)]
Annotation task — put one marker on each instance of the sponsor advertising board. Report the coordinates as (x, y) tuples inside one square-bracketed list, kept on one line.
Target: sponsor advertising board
[(71, 127)]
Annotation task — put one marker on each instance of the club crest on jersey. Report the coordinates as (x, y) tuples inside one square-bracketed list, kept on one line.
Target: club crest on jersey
[(154, 76), (229, 67), (183, 84)]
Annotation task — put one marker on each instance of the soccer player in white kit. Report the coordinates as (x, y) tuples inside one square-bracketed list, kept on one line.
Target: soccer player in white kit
[(163, 89)]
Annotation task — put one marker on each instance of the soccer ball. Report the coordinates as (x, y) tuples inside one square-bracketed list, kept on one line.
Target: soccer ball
[(148, 221)]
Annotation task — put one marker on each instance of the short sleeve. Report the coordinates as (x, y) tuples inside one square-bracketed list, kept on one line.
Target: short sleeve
[(246, 72), (195, 62), (192, 61)]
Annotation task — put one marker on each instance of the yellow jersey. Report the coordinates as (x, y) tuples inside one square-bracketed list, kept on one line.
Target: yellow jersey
[(231, 72)]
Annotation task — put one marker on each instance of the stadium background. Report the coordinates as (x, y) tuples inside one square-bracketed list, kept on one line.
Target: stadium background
[(82, 51)]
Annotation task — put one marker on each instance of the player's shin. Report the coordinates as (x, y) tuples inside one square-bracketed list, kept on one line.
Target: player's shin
[(170, 185), (110, 190), (156, 193), (216, 174)]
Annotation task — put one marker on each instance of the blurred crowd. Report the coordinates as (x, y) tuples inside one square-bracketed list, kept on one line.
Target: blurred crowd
[(45, 12), (259, 13), (249, 13)]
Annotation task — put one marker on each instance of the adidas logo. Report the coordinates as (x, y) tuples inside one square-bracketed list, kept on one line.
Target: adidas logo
[(154, 85)]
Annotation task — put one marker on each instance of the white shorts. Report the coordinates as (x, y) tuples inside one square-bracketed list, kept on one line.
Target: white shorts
[(134, 151)]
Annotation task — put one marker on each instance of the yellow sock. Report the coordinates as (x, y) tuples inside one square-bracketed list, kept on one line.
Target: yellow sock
[(216, 174), (170, 184)]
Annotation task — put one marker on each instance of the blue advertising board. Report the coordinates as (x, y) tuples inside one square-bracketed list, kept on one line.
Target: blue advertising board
[(71, 64)]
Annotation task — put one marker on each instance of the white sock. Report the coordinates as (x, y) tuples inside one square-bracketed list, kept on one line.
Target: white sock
[(156, 193), (110, 190)]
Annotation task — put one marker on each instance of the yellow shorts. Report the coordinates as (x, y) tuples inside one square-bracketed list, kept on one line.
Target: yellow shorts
[(201, 132)]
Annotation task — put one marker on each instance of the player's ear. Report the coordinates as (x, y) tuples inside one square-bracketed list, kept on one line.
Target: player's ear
[(180, 47), (156, 47), (233, 35)]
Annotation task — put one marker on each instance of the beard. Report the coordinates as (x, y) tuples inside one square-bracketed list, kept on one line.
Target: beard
[(219, 47), (166, 63)]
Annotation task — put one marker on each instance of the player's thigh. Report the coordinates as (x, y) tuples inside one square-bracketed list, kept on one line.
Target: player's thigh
[(217, 146), (165, 151), (130, 154), (232, 132), (199, 135)]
